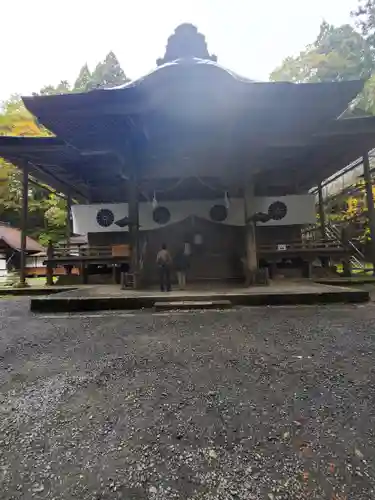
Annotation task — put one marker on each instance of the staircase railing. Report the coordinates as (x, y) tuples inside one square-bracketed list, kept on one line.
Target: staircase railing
[(333, 233), (357, 258)]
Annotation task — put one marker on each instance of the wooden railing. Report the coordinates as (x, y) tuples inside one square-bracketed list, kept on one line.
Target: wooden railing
[(301, 246), (82, 256), (86, 251)]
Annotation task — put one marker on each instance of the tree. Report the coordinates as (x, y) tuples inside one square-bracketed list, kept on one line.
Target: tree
[(366, 99), (108, 73), (16, 120), (47, 211), (365, 19), (62, 88), (82, 84), (55, 220), (338, 53)]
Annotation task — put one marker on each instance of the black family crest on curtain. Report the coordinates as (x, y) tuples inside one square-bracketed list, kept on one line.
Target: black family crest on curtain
[(186, 42), (276, 211), (105, 218)]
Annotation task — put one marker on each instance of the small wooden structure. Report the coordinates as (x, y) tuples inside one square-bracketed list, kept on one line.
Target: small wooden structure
[(82, 259), (193, 130), (11, 248)]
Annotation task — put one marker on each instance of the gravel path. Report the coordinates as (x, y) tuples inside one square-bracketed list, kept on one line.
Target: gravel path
[(272, 403)]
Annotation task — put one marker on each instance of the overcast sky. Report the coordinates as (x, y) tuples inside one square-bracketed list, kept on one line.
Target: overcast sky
[(45, 41)]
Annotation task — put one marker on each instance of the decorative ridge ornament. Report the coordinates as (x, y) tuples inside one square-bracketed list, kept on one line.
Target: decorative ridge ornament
[(186, 42), (154, 201), (226, 200)]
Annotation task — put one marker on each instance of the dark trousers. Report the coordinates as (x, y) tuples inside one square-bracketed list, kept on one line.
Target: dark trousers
[(165, 278)]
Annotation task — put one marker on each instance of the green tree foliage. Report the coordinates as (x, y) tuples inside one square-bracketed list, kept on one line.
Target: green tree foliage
[(108, 73), (62, 88), (365, 20), (54, 220), (364, 17), (83, 82), (47, 212), (338, 53), (16, 120)]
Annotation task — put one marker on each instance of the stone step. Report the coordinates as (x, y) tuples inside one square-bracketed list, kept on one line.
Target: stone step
[(192, 304)]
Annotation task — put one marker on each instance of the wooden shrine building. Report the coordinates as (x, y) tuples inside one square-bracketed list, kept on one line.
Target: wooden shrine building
[(195, 155)]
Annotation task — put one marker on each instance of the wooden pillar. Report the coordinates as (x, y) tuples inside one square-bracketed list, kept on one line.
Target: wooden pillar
[(68, 219), (24, 213), (346, 263), (84, 273), (323, 222), (133, 203), (346, 268), (49, 268), (83, 270), (370, 206), (322, 214), (307, 269), (250, 235)]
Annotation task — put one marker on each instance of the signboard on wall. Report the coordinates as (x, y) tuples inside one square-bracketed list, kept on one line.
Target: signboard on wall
[(285, 210)]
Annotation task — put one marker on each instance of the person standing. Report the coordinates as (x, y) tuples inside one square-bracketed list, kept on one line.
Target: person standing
[(164, 261), (181, 263)]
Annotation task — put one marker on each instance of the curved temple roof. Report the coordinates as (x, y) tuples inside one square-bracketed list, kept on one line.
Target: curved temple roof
[(192, 104), (202, 77), (196, 109)]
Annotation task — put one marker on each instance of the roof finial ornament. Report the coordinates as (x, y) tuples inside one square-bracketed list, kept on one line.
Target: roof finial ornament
[(186, 42)]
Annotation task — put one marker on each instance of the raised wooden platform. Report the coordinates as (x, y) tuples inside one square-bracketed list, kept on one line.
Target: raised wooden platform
[(35, 290), (345, 281), (110, 297)]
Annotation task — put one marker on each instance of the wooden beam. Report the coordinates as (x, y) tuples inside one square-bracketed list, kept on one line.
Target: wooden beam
[(46, 188), (133, 203), (250, 235), (68, 218), (370, 206), (356, 126), (25, 199), (322, 214), (63, 186), (14, 144)]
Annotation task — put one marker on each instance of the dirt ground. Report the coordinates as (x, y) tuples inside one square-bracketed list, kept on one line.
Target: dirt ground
[(257, 403)]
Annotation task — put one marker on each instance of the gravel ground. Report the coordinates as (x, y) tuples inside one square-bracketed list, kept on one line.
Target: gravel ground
[(258, 403)]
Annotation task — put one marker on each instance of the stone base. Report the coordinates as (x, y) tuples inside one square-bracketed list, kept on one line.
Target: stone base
[(257, 277), (19, 284), (324, 272), (99, 298), (346, 269)]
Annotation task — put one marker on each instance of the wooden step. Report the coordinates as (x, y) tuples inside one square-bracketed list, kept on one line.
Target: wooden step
[(192, 304)]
